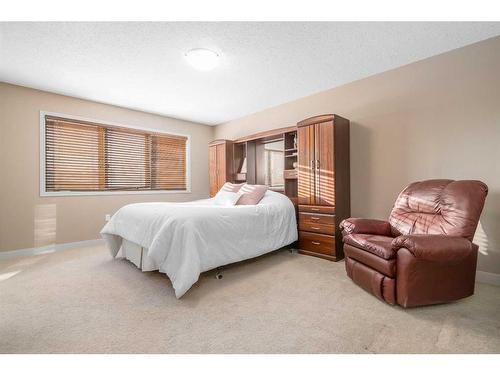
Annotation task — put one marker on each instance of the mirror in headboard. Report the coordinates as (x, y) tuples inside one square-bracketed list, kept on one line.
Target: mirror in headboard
[(273, 164)]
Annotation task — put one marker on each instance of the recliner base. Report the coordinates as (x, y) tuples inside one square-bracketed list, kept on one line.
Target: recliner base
[(380, 285)]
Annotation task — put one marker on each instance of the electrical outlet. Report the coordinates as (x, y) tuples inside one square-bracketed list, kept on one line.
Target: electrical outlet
[(107, 217)]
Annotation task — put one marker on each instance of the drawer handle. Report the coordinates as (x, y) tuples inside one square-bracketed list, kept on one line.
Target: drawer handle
[(315, 243), (314, 209), (315, 218), (316, 228)]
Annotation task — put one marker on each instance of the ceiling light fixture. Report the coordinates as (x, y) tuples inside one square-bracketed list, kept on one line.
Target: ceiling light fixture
[(202, 59)]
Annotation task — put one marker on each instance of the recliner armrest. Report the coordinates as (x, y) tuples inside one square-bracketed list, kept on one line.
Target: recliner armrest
[(439, 248), (365, 226)]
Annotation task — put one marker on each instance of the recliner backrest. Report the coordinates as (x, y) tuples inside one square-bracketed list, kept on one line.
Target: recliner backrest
[(439, 207)]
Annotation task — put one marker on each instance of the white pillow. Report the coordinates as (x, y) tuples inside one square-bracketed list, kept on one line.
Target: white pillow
[(226, 198)]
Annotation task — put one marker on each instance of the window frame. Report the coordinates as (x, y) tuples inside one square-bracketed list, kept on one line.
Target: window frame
[(45, 193)]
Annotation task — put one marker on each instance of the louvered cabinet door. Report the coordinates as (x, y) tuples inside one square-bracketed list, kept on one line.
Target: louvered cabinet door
[(324, 193), (212, 172), (306, 184)]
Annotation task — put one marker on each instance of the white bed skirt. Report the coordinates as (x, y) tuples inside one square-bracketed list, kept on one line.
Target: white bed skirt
[(137, 255)]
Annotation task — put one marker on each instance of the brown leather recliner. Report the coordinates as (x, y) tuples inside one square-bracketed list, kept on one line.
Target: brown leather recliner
[(424, 254)]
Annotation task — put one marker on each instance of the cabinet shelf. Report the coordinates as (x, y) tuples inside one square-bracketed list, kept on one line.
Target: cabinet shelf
[(240, 177), (290, 174)]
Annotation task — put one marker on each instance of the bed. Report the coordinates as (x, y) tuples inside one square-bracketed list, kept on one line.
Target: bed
[(183, 240)]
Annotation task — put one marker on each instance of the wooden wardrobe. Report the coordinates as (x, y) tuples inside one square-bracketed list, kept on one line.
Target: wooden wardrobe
[(323, 184), (220, 160)]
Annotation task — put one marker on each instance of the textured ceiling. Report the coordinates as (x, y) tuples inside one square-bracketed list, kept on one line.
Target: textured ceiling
[(141, 65)]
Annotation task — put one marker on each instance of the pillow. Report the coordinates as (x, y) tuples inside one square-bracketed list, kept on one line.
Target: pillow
[(233, 188), (226, 198), (251, 194)]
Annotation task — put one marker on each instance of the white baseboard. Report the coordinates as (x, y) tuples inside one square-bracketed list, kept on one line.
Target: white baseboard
[(49, 249), (488, 278)]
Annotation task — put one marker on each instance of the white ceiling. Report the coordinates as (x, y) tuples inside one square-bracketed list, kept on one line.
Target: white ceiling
[(141, 65)]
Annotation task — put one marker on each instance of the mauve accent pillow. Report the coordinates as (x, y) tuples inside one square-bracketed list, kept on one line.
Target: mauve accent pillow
[(251, 194), (232, 188)]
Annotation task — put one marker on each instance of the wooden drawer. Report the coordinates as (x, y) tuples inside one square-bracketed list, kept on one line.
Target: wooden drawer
[(318, 223), (317, 228), (309, 218), (317, 209), (317, 243)]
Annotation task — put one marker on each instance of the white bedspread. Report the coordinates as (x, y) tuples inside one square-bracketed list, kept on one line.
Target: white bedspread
[(186, 239)]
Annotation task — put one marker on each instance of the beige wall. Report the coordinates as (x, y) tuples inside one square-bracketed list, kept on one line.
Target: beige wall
[(26, 219), (437, 118)]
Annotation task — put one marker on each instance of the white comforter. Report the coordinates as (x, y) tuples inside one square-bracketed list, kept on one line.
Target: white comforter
[(186, 239)]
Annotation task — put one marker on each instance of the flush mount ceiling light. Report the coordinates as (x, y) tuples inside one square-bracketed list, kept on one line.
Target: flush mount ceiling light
[(202, 59)]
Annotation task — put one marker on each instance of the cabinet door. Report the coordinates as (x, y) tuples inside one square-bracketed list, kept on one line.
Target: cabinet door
[(221, 166), (212, 171), (325, 171), (305, 144)]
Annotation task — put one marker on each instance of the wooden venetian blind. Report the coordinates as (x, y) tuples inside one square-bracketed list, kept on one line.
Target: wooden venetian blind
[(85, 156)]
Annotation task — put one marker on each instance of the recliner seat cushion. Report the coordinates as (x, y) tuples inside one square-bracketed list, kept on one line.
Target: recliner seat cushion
[(384, 266), (377, 245)]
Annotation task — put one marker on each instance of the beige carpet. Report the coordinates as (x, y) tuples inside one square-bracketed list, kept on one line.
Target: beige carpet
[(82, 301)]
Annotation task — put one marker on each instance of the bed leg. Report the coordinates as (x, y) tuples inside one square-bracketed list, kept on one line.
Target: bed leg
[(218, 273)]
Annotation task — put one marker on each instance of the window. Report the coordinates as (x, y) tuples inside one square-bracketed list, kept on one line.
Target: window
[(88, 157)]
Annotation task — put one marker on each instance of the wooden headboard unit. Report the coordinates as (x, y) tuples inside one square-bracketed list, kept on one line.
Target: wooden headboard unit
[(227, 158)]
